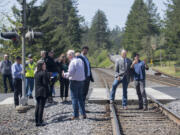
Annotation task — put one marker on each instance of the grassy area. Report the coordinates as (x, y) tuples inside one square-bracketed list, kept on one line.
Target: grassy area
[(100, 59), (168, 70), (105, 63)]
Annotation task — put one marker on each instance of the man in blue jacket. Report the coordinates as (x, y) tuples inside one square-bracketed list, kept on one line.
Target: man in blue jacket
[(139, 80)]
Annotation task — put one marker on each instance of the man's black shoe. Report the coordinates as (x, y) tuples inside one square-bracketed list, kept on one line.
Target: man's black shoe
[(40, 124)]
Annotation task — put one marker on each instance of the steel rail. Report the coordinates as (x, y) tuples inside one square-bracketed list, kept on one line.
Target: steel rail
[(115, 124), (165, 74), (166, 111)]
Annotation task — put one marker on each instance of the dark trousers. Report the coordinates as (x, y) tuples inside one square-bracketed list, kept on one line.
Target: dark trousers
[(86, 88), (52, 82), (140, 88), (17, 90), (39, 109), (9, 77), (64, 87)]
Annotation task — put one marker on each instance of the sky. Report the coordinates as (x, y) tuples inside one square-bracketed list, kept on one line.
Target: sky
[(115, 10)]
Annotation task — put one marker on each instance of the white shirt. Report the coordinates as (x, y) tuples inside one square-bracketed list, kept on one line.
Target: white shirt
[(75, 70)]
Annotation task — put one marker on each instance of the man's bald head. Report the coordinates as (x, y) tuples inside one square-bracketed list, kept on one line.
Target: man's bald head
[(123, 53)]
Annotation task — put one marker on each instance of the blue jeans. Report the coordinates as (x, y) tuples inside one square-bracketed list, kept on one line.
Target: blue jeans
[(114, 87), (29, 86), (76, 88)]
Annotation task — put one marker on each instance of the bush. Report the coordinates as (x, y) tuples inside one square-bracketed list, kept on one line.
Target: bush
[(100, 59), (157, 54), (178, 56)]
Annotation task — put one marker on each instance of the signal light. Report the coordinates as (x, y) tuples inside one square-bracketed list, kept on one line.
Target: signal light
[(9, 35), (31, 35)]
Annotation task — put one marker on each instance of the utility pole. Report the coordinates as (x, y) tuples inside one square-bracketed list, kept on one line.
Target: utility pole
[(23, 99)]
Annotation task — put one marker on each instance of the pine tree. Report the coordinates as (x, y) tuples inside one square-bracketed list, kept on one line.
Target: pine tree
[(142, 26), (99, 32), (153, 29), (136, 26), (61, 25), (116, 38), (172, 28)]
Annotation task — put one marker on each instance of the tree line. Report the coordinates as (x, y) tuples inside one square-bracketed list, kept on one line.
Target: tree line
[(145, 32)]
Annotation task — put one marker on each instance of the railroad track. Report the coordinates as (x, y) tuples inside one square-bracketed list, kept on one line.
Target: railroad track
[(157, 120), (164, 80), (167, 80)]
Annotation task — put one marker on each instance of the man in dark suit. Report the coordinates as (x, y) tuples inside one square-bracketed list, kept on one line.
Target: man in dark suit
[(87, 69), (122, 75)]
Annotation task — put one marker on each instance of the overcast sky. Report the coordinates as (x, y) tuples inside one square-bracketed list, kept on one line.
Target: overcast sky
[(115, 10)]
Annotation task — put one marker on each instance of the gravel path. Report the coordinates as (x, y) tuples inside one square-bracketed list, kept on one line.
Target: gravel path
[(175, 106), (13, 123), (58, 118), (60, 123)]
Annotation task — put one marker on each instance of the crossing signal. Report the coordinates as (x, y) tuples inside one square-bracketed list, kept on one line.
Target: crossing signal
[(31, 35), (9, 35)]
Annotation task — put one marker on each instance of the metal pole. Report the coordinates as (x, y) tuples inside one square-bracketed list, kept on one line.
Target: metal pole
[(160, 58), (23, 99)]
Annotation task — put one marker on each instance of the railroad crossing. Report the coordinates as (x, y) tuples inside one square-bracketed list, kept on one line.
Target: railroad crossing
[(101, 119)]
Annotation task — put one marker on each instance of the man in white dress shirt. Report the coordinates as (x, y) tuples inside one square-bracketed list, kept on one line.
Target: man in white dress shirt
[(76, 76)]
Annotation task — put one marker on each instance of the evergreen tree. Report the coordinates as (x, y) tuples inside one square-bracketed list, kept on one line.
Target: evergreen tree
[(99, 32), (153, 29), (172, 28), (142, 26), (116, 38), (136, 26), (61, 25)]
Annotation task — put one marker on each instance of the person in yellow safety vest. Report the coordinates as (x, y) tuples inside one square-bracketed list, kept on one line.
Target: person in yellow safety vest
[(30, 67)]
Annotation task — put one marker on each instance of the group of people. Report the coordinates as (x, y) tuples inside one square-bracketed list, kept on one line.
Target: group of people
[(73, 70), (126, 71)]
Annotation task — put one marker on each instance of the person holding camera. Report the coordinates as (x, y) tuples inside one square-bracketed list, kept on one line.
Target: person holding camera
[(139, 68)]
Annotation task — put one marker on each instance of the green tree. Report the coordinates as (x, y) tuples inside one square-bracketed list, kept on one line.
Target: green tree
[(61, 25), (136, 26), (116, 38), (172, 27), (153, 29), (141, 27), (99, 32)]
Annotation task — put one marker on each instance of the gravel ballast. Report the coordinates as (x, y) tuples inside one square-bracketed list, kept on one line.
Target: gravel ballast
[(58, 119)]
